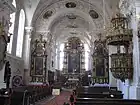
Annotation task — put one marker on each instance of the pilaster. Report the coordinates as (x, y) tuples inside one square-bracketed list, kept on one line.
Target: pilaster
[(26, 54), (128, 7)]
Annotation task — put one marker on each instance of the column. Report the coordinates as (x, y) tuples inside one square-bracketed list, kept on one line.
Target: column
[(135, 88), (128, 7), (26, 53)]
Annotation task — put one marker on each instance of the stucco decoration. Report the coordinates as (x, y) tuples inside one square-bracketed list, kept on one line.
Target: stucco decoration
[(47, 14), (17, 81), (93, 14), (70, 5), (127, 7), (64, 20), (60, 8)]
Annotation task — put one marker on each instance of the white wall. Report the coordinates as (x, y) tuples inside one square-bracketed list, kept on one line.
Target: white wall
[(17, 66)]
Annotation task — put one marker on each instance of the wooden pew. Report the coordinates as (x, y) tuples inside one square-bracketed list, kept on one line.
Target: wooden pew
[(4, 100), (105, 101), (98, 92), (100, 95), (21, 95), (29, 94), (5, 96)]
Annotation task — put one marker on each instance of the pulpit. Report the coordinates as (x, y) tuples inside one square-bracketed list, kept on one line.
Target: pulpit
[(120, 35)]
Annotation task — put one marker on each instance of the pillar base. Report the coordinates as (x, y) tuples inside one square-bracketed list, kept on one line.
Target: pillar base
[(2, 85), (134, 92), (126, 91)]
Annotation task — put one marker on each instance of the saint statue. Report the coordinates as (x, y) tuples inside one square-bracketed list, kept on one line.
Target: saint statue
[(7, 74)]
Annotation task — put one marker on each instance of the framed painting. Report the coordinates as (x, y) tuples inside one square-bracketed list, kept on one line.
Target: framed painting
[(39, 65)]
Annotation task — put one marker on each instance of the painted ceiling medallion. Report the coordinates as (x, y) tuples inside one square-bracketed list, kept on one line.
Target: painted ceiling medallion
[(47, 14), (70, 5), (93, 14)]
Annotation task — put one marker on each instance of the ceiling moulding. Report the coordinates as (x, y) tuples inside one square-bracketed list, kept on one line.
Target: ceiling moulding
[(8, 4)]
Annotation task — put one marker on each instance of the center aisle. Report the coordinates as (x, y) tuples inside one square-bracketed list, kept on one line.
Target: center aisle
[(59, 100)]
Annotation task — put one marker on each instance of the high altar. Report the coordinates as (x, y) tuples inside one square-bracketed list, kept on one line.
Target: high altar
[(74, 64)]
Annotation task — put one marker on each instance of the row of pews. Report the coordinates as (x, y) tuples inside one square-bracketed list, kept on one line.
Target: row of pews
[(29, 94), (101, 96), (97, 101), (25, 95)]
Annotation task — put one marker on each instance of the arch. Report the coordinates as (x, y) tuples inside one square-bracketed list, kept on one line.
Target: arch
[(11, 29), (20, 33)]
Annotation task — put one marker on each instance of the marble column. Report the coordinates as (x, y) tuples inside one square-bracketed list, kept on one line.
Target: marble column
[(26, 53)]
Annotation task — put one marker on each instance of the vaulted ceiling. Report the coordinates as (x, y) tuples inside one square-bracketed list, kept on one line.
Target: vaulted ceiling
[(66, 18)]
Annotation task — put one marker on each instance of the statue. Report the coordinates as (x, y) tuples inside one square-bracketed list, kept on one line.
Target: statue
[(3, 45), (1, 29), (7, 74)]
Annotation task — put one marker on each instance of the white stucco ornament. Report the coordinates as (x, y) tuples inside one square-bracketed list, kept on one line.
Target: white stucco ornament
[(127, 7)]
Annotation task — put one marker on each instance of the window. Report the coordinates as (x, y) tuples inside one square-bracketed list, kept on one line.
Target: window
[(11, 29), (20, 34), (61, 56), (86, 56)]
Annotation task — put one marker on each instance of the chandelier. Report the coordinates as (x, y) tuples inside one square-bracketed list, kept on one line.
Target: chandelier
[(120, 35)]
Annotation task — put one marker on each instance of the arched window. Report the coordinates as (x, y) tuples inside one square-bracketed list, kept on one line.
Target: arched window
[(11, 29), (86, 56), (61, 56), (20, 33)]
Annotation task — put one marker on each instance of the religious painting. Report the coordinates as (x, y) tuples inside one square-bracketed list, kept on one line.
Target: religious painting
[(73, 58), (74, 63), (100, 68), (39, 65)]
